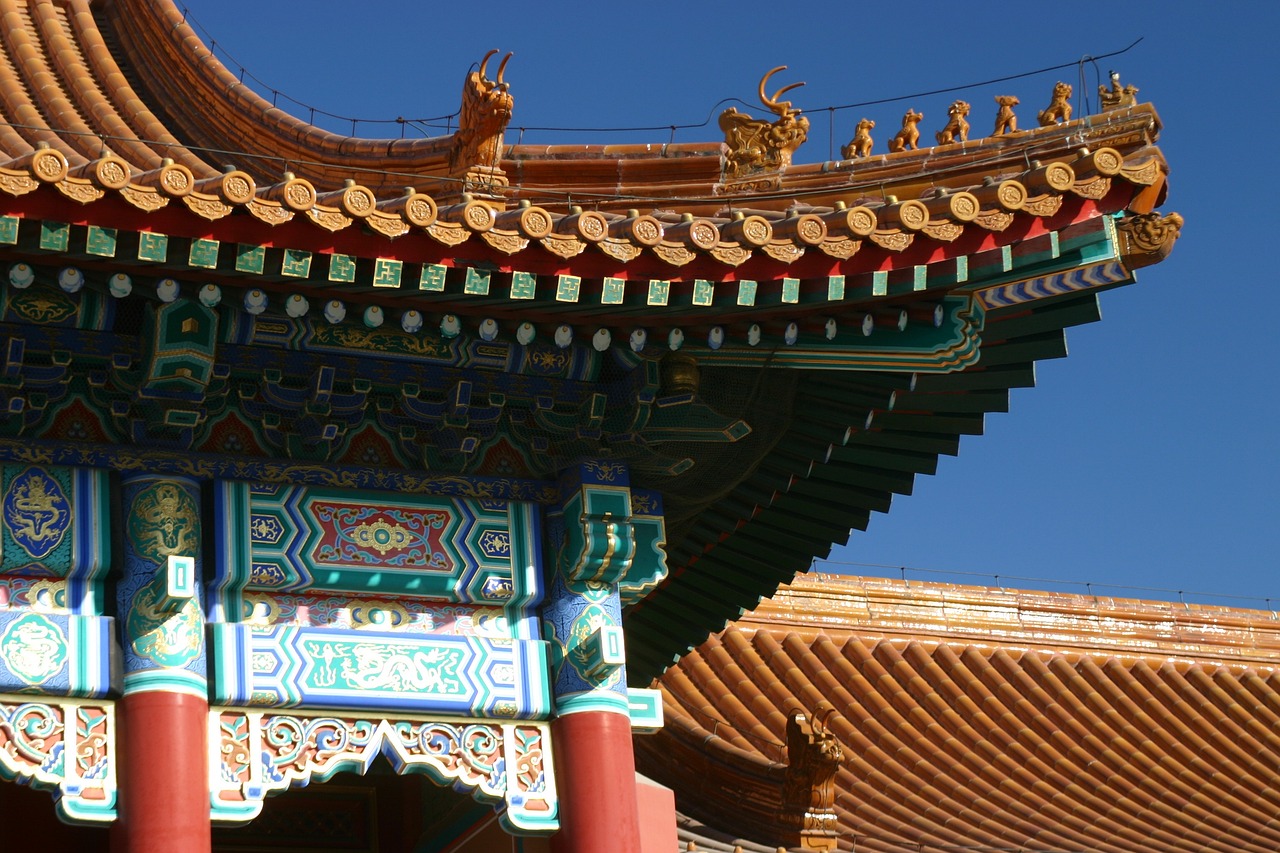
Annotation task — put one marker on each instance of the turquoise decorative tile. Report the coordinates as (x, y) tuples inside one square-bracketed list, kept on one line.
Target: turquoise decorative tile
[(153, 247), (835, 288), (524, 285), (791, 290), (55, 236), (386, 272), (203, 254), (477, 282), (295, 263), (880, 283), (568, 287), (746, 292), (9, 230), (703, 292), (432, 277), (250, 259), (659, 291), (342, 268), (613, 291), (100, 241)]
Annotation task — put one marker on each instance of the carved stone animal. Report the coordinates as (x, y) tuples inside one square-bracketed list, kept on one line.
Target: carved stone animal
[(957, 128), (1006, 121), (860, 145), (910, 133), (1059, 109)]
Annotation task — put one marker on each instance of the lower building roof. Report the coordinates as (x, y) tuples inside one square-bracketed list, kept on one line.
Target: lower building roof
[(970, 718)]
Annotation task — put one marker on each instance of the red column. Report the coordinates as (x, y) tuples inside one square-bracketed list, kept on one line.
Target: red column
[(596, 783), (164, 774)]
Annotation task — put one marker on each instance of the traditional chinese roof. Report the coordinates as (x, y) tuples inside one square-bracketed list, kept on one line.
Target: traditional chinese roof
[(980, 718), (669, 305)]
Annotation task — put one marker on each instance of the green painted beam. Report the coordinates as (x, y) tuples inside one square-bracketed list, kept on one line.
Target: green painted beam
[(985, 377), (1031, 348)]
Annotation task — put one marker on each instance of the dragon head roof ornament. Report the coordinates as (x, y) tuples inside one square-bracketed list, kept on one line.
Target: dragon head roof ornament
[(486, 110), (757, 145)]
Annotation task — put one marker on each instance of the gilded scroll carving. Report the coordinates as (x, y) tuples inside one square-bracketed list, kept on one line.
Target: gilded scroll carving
[(500, 763), (758, 145)]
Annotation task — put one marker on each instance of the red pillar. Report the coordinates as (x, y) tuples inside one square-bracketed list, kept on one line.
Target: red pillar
[(164, 774), (596, 783)]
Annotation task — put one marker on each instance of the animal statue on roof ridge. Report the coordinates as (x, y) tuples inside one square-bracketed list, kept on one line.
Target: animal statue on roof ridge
[(755, 144), (486, 110), (1006, 121), (1059, 109), (957, 128), (909, 136), (860, 145), (1116, 97)]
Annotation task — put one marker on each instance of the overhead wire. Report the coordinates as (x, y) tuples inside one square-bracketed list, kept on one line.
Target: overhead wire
[(831, 109)]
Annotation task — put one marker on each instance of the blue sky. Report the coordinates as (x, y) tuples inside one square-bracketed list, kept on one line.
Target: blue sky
[(1148, 457)]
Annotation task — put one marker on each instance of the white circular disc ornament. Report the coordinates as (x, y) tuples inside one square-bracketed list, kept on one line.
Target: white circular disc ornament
[(525, 334), (715, 338), (792, 334), (167, 290), (373, 317), (675, 339), (450, 326), (411, 320), (210, 295), (638, 339), (255, 301), (601, 339), (488, 329), (120, 285), (70, 279), (334, 311), (830, 329), (753, 335), (297, 306), (564, 336), (21, 276)]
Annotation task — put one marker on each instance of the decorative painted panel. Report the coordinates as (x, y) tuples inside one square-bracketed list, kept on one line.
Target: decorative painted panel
[(164, 642), (254, 754), (54, 654), (453, 675), (306, 538), (65, 747), (54, 524)]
